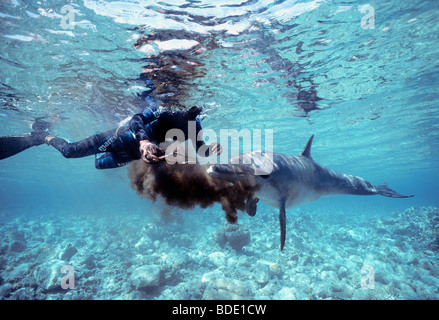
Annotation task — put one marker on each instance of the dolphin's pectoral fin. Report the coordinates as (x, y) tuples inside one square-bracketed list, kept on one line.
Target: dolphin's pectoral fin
[(250, 206), (384, 190), (283, 223)]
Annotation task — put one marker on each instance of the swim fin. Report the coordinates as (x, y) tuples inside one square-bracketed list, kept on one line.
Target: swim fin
[(11, 145)]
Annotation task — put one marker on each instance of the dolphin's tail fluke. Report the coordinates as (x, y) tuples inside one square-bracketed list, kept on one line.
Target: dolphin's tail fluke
[(384, 190)]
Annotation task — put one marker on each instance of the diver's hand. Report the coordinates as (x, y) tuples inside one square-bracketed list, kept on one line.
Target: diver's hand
[(150, 152), (215, 148)]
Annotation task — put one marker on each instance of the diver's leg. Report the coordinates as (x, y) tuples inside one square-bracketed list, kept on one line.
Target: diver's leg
[(110, 160), (86, 147)]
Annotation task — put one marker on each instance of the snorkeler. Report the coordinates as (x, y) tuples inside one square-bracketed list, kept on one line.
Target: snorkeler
[(117, 147)]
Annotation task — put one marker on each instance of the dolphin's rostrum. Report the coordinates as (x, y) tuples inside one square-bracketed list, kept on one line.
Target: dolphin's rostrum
[(291, 180)]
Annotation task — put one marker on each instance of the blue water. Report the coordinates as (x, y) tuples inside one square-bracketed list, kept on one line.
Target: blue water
[(369, 95)]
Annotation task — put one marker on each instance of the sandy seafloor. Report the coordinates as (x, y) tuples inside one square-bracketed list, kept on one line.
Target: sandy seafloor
[(131, 256)]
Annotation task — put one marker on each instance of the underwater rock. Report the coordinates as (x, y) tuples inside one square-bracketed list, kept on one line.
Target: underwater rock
[(227, 289), (17, 246), (152, 231), (358, 261), (382, 277), (212, 275), (269, 290), (327, 267), (320, 290), (263, 276), (90, 261), (18, 273), (184, 240), (342, 272), (266, 271), (286, 294), (407, 292), (23, 294), (343, 291), (180, 293), (426, 264), (146, 277), (428, 253), (237, 235), (301, 280), (3, 248), (51, 230), (329, 276), (414, 260), (68, 253), (144, 244), (5, 289), (17, 236), (48, 275), (219, 237), (35, 227), (218, 259)]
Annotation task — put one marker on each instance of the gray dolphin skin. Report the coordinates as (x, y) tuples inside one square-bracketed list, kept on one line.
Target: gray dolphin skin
[(284, 181)]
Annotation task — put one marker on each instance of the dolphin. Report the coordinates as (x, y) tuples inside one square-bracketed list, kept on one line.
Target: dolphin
[(284, 181)]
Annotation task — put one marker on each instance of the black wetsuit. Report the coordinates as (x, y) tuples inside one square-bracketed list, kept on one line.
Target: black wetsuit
[(118, 147)]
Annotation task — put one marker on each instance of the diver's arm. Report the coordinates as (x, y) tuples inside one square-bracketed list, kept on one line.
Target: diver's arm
[(137, 127), (137, 124), (140, 120)]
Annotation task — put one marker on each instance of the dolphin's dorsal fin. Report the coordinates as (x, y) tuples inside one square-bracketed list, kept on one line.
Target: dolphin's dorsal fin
[(307, 150)]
